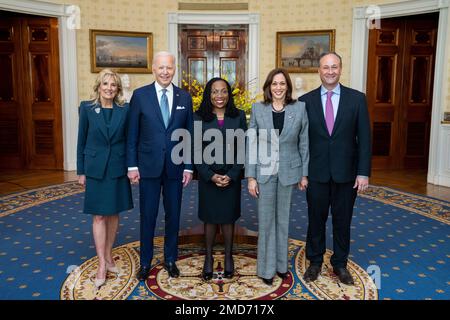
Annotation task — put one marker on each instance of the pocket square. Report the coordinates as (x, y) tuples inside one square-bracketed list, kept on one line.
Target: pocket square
[(181, 107)]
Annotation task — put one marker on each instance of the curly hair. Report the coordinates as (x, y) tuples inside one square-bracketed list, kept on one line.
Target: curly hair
[(205, 111)]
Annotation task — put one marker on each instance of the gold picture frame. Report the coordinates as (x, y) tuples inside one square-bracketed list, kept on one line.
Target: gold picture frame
[(299, 51), (121, 51)]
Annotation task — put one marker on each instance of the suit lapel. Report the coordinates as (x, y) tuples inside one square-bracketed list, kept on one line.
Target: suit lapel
[(318, 110), (267, 116), (154, 103), (342, 104), (289, 117), (116, 119), (176, 98), (100, 120)]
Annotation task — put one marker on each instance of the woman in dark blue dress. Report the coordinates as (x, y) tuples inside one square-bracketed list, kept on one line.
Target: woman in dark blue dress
[(219, 178), (101, 165)]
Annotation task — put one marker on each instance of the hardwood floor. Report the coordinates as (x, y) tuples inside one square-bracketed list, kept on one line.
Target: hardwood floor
[(413, 181), (12, 180)]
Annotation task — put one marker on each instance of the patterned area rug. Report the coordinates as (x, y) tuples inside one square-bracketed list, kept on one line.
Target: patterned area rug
[(245, 285), (400, 250)]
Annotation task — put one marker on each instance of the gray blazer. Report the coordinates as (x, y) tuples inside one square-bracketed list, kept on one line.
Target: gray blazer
[(287, 154)]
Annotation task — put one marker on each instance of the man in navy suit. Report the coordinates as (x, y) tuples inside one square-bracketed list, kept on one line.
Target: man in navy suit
[(156, 110), (339, 166)]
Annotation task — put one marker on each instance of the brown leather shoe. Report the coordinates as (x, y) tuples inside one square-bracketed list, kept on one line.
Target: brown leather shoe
[(312, 273), (344, 276)]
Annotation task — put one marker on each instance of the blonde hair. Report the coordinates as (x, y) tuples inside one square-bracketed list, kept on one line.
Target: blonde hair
[(105, 73)]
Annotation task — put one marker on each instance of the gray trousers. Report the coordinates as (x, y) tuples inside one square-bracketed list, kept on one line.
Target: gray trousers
[(274, 206)]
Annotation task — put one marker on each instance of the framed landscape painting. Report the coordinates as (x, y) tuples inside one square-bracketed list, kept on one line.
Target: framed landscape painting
[(299, 51), (124, 52)]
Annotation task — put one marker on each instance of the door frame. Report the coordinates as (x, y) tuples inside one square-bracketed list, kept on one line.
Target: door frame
[(251, 19), (67, 67), (438, 170)]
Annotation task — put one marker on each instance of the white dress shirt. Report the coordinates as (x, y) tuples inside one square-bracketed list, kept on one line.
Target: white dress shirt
[(335, 97)]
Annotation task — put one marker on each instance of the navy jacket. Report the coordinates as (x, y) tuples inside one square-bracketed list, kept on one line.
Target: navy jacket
[(149, 144)]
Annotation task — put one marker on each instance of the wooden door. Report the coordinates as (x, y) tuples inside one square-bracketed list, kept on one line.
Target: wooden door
[(30, 99), (12, 126), (401, 60), (214, 52)]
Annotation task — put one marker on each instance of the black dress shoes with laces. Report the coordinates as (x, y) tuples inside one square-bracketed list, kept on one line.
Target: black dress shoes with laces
[(312, 273), (344, 276), (143, 273), (283, 275), (172, 269)]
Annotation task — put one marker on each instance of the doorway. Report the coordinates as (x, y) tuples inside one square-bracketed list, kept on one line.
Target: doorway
[(30, 96), (400, 73), (208, 51)]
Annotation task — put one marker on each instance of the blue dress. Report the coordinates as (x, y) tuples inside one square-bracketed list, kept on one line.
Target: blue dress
[(107, 196)]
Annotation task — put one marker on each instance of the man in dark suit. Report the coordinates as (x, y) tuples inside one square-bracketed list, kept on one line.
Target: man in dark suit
[(339, 166), (156, 111)]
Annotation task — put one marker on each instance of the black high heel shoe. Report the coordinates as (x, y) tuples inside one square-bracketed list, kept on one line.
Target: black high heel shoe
[(208, 275), (229, 274)]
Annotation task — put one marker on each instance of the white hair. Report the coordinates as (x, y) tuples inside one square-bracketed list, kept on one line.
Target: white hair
[(163, 54)]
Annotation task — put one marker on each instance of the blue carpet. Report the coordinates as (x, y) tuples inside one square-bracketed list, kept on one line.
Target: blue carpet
[(44, 235)]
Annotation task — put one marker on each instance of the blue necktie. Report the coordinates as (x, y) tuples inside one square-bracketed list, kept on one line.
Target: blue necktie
[(165, 107)]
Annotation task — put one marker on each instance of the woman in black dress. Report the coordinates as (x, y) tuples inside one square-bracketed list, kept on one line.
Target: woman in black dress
[(101, 165), (219, 186)]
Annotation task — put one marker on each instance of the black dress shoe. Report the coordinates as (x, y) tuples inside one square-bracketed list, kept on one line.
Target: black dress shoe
[(283, 275), (172, 269), (143, 273), (344, 276), (312, 273), (269, 282)]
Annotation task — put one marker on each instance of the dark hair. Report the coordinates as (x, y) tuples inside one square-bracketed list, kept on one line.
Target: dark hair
[(205, 111), (266, 88), (323, 54)]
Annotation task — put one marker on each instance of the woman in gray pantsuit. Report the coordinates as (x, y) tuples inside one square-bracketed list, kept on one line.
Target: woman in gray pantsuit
[(277, 159)]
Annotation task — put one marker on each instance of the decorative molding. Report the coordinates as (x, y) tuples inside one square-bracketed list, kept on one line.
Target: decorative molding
[(443, 176), (212, 6), (33, 7), (67, 68), (251, 19), (358, 71)]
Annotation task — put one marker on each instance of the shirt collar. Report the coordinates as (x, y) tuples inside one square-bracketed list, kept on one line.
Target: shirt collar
[(159, 88), (336, 90)]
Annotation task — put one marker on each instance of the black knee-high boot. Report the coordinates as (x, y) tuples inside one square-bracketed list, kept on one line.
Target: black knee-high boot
[(210, 236), (228, 233)]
